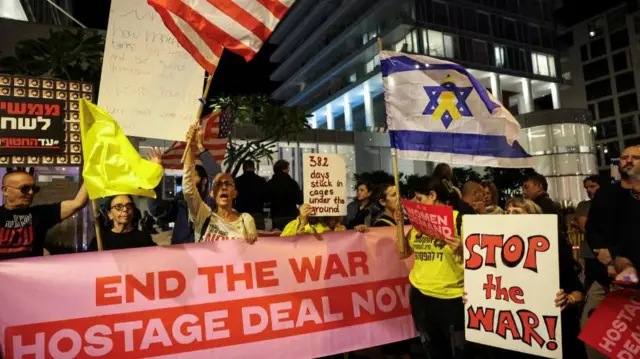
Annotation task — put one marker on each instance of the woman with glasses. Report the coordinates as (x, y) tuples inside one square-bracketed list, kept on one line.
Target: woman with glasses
[(223, 222), (569, 297), (119, 226)]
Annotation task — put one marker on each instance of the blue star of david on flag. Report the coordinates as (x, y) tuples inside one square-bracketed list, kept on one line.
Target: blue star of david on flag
[(447, 102)]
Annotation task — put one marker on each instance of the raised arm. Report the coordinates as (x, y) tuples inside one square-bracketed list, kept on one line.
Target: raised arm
[(198, 210), (70, 207), (209, 163)]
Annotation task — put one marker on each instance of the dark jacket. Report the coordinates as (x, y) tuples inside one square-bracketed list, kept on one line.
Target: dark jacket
[(356, 216), (176, 210), (252, 192), (548, 206), (284, 194)]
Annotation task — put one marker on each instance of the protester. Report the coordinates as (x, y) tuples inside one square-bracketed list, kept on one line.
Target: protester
[(473, 195), (494, 210), (148, 223), (570, 296), (23, 228), (252, 193), (361, 211), (491, 197), (119, 227), (304, 224), (612, 219), (224, 223), (591, 264), (176, 210), (387, 197), (535, 188), (436, 281), (284, 195)]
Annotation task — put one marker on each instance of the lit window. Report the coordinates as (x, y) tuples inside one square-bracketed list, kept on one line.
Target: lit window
[(353, 78), (498, 54), (449, 50), (543, 64), (436, 44), (370, 66)]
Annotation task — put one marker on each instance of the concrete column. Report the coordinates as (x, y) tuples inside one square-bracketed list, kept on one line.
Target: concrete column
[(368, 107), (496, 89), (348, 113), (555, 96), (528, 95), (331, 125)]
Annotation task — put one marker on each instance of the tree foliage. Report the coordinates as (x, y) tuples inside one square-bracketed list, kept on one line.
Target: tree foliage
[(65, 54), (275, 123)]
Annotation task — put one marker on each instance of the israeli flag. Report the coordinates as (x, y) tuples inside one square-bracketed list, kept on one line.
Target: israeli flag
[(437, 111)]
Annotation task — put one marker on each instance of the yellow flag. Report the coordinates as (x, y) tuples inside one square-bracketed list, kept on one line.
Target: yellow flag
[(112, 165)]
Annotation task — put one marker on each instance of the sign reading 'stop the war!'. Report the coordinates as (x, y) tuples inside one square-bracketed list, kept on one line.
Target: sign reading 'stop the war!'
[(511, 278), (31, 126)]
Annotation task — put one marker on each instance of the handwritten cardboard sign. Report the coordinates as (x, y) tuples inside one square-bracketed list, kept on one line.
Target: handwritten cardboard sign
[(325, 178), (435, 221), (511, 277), (614, 328), (149, 83)]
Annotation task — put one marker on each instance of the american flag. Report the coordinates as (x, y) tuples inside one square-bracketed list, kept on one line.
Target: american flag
[(217, 129), (205, 27)]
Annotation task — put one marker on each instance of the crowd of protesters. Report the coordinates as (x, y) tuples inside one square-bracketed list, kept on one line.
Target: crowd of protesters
[(215, 206)]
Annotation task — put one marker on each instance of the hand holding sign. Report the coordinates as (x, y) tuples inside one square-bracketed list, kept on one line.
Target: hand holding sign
[(325, 177), (434, 221)]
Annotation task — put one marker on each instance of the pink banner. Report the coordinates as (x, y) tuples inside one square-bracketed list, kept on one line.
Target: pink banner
[(294, 297)]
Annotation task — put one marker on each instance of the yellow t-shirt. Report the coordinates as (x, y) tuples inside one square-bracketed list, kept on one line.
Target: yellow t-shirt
[(293, 228), (437, 272)]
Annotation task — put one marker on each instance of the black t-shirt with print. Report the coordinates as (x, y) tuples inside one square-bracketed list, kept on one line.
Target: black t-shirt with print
[(23, 231)]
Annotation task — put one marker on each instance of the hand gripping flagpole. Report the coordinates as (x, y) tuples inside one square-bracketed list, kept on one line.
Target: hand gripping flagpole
[(203, 101), (396, 179), (96, 223)]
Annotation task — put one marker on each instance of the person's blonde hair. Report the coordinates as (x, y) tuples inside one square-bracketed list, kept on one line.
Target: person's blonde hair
[(528, 205), (494, 210)]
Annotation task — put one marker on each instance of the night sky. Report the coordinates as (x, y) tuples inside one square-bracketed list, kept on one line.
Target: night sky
[(234, 76)]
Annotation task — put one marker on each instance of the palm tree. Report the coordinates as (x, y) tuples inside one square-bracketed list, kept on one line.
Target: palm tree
[(65, 54)]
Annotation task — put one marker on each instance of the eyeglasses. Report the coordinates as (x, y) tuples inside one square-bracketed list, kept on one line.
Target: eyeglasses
[(25, 189), (224, 183), (123, 207)]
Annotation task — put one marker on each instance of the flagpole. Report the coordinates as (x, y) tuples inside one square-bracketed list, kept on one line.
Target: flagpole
[(96, 223), (203, 100), (396, 180)]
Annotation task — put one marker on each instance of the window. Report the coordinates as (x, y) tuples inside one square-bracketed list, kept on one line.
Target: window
[(606, 130), (498, 55), (592, 109), (438, 44), (610, 150), (595, 69), (546, 37), (353, 78), (628, 125), (625, 82), (605, 109), (411, 42), (510, 29), (632, 142), (480, 52), (595, 27), (470, 20), (628, 103), (620, 61), (483, 23), (543, 64), (440, 13), (371, 65), (599, 89), (534, 35), (584, 53), (619, 40), (617, 19), (598, 48)]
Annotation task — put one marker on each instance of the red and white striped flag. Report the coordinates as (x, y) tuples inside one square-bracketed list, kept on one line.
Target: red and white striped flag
[(216, 127), (205, 26)]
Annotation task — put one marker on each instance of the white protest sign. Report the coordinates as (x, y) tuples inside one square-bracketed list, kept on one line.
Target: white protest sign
[(511, 278), (149, 83), (325, 179)]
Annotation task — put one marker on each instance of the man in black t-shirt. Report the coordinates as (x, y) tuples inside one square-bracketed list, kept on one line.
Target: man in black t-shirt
[(23, 228)]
